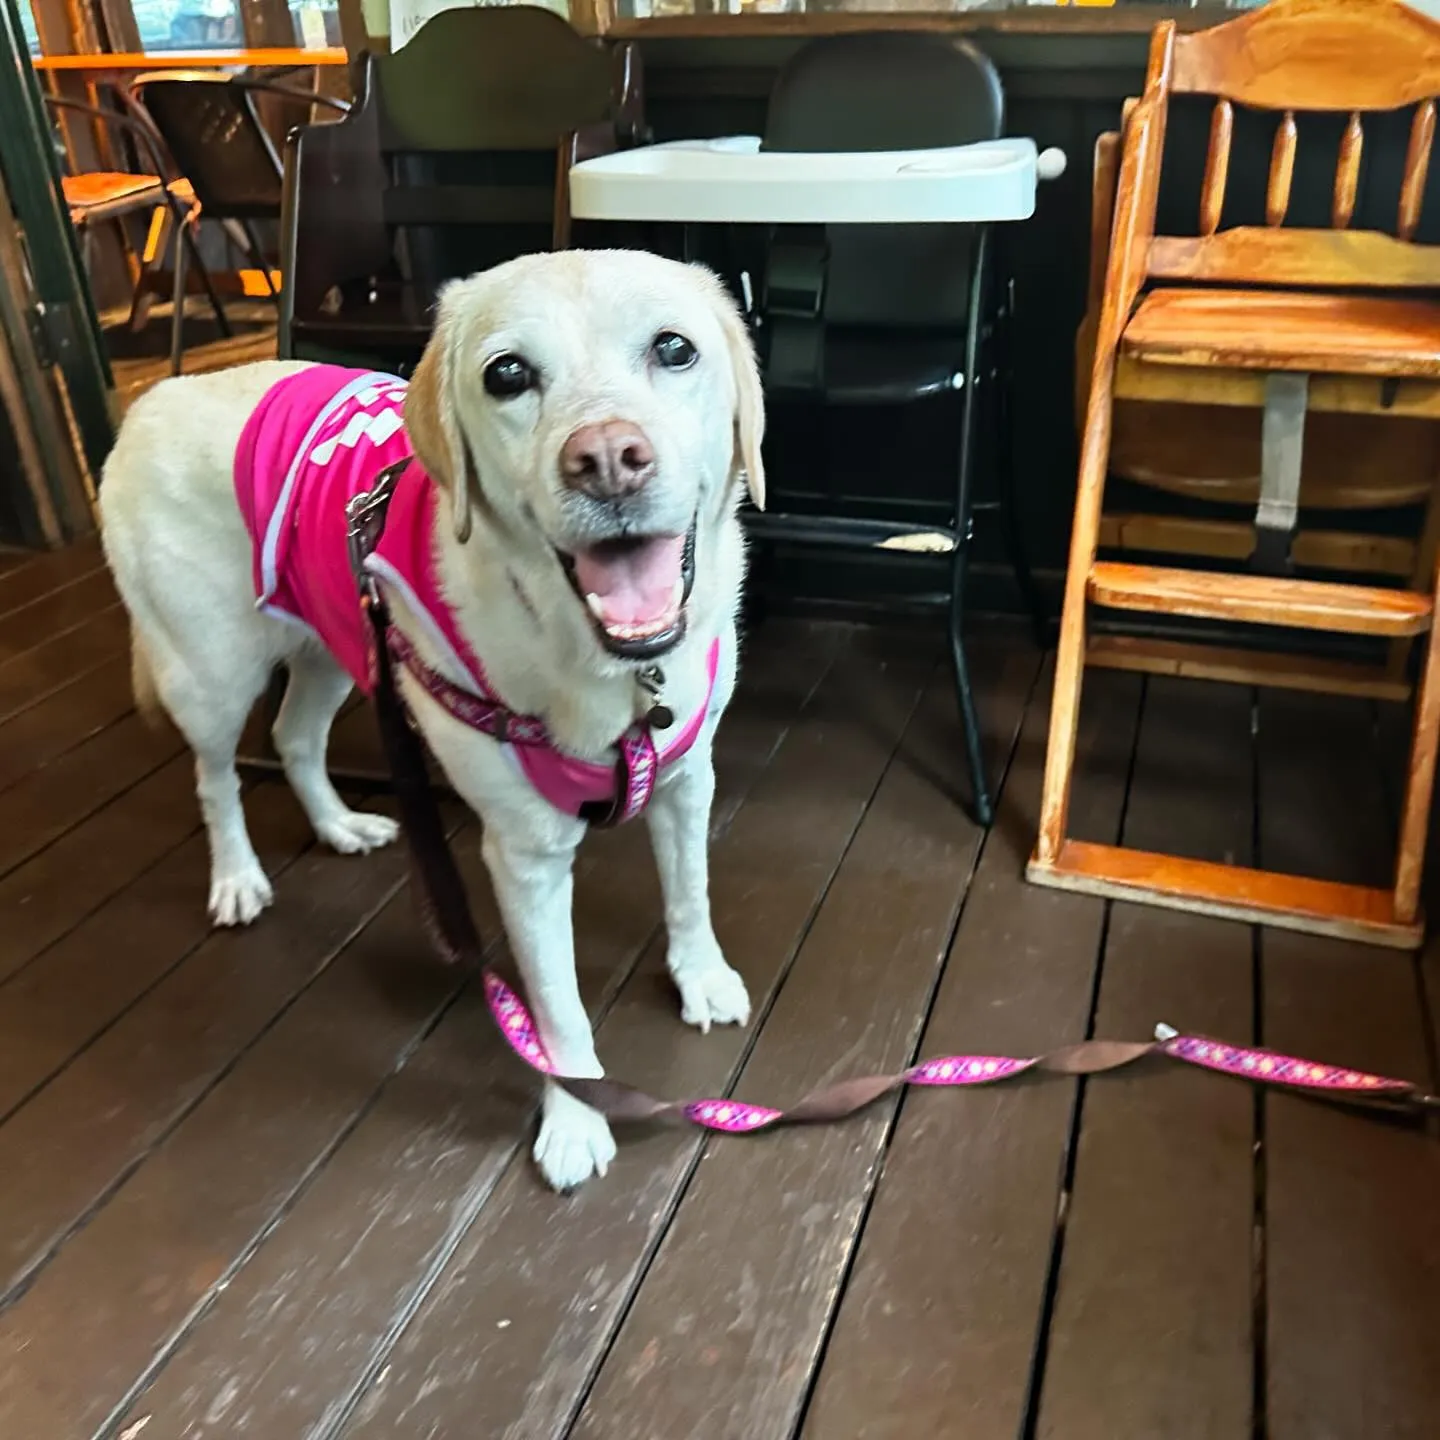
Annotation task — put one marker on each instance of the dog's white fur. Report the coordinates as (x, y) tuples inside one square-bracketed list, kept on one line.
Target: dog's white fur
[(181, 557)]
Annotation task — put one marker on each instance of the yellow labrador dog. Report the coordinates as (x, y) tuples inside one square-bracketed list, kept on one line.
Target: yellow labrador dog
[(562, 564)]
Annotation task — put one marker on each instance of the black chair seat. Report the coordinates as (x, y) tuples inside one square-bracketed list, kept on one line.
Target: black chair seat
[(879, 367)]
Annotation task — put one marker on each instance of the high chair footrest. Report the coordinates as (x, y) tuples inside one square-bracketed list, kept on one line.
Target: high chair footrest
[(1260, 600), (1231, 892)]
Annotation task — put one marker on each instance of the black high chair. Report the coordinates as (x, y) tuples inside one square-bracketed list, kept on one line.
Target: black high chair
[(890, 315)]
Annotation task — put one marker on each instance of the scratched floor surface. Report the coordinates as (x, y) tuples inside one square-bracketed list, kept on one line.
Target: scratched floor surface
[(275, 1184)]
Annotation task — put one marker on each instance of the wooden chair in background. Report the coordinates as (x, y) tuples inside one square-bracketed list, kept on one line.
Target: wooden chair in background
[(1300, 325), (456, 156), (164, 197), (211, 125)]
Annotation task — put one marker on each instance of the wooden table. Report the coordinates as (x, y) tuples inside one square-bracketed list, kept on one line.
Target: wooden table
[(104, 69)]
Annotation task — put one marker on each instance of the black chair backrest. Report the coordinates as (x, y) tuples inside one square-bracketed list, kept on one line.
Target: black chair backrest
[(471, 113), (210, 126), (890, 91)]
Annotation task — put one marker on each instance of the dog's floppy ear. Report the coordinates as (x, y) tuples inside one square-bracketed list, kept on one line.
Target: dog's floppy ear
[(433, 425), (749, 396)]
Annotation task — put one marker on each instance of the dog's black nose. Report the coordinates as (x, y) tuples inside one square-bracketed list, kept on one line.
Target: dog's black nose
[(608, 461)]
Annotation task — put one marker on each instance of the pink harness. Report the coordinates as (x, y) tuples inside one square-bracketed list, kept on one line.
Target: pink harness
[(317, 441)]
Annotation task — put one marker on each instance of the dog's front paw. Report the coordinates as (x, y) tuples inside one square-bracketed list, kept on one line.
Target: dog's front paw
[(237, 898), (711, 994), (353, 832), (574, 1143)]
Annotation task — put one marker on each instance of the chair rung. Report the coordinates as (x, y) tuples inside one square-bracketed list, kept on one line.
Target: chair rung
[(1260, 600), (1230, 892)]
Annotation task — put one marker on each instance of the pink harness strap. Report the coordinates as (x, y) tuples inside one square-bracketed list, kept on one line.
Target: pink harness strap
[(316, 441)]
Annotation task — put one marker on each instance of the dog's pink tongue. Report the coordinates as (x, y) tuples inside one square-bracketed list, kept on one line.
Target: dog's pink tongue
[(635, 584)]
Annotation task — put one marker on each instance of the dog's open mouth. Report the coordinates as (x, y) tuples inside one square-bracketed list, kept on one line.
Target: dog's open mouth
[(635, 589)]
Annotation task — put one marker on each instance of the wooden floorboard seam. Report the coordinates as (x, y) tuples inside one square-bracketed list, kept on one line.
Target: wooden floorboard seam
[(92, 902), (103, 900), (1392, 730), (139, 997), (1035, 1386), (1002, 775), (63, 751), (341, 731), (44, 642), (32, 693), (37, 575), (237, 1263), (10, 610), (1351, 1234), (32, 1272), (97, 802), (854, 1001), (36, 621), (341, 1412)]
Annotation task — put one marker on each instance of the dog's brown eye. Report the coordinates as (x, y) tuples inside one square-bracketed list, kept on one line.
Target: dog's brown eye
[(507, 376), (674, 351)]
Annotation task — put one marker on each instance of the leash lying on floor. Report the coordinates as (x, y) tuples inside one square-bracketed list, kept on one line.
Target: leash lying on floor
[(448, 921)]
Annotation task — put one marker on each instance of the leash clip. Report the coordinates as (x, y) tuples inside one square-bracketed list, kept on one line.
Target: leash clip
[(365, 523)]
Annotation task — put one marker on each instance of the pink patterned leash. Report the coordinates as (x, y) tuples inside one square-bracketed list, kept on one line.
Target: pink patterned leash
[(445, 913), (835, 1102)]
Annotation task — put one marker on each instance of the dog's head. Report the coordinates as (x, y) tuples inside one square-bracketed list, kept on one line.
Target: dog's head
[(604, 404)]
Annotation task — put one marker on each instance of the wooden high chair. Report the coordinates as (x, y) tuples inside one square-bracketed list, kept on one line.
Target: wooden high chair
[(1265, 317)]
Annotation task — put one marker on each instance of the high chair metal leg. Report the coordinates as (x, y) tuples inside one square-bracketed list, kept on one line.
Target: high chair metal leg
[(964, 526)]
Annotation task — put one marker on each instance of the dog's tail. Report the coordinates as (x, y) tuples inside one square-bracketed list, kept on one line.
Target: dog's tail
[(142, 682)]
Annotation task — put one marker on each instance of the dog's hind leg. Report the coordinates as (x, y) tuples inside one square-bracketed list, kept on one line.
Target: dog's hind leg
[(210, 708), (316, 689)]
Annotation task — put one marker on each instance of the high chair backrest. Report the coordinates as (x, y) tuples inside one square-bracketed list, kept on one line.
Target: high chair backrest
[(1350, 58), (889, 90), (1211, 453)]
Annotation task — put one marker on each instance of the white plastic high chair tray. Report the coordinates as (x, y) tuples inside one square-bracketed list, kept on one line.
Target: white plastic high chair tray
[(731, 181)]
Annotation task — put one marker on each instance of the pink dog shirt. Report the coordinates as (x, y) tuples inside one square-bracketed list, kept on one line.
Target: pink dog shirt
[(317, 439)]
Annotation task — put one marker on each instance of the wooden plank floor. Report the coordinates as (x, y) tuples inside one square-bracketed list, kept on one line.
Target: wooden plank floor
[(140, 361), (276, 1184)]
